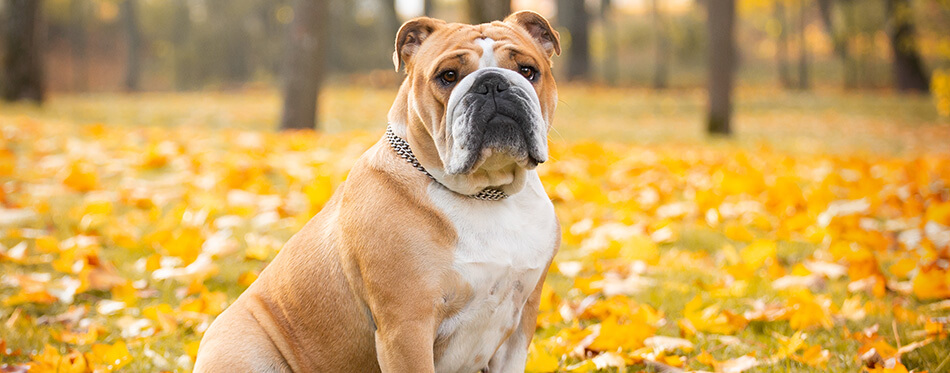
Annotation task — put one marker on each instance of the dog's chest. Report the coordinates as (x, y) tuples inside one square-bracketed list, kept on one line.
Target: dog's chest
[(503, 247)]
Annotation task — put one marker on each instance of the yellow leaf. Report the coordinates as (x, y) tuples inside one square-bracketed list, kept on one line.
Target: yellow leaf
[(257, 252), (247, 278), (125, 293), (47, 244), (902, 268), (82, 177), (628, 336), (640, 247), (7, 163), (672, 360), (897, 368), (540, 360), (110, 358), (706, 358), (585, 366), (46, 361), (939, 212), (211, 303), (807, 311), (90, 336), (738, 232), (789, 345), (153, 262), (185, 244), (711, 320), (758, 252), (814, 356), (163, 314), (932, 282), (73, 362), (35, 296), (191, 348)]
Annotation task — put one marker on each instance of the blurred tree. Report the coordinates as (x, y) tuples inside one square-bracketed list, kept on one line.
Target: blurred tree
[(661, 48), (850, 61), (720, 20), (838, 39), (365, 39), (803, 82), (23, 56), (909, 73), (181, 56), (781, 45), (304, 64), (228, 39), (390, 16), (78, 15), (428, 8), (133, 35), (610, 42), (572, 15), (482, 11)]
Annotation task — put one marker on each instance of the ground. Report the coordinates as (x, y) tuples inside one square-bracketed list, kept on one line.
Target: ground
[(820, 232)]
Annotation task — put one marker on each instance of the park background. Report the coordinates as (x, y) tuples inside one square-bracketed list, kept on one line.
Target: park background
[(783, 207)]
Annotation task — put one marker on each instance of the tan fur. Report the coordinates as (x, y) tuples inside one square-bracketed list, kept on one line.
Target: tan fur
[(365, 284)]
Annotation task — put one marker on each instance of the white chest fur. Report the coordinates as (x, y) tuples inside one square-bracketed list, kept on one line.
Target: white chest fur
[(502, 249)]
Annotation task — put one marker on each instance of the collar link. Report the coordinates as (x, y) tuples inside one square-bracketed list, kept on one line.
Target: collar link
[(401, 147)]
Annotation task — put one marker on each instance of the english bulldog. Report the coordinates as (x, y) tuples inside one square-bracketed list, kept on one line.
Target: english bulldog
[(431, 255)]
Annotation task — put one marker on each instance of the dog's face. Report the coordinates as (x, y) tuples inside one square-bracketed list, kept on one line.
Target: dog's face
[(484, 95)]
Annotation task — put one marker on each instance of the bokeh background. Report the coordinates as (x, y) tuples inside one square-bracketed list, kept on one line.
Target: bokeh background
[(742, 185)]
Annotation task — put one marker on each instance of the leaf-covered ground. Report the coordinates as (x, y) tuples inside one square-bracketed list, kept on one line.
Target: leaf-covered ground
[(817, 241)]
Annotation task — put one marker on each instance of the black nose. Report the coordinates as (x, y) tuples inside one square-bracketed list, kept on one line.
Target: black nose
[(490, 83)]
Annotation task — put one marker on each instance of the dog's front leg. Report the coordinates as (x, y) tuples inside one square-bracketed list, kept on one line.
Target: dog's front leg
[(512, 354), (405, 316), (405, 345)]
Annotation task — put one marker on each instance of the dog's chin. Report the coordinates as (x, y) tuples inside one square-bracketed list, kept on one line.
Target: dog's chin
[(500, 170), (494, 160)]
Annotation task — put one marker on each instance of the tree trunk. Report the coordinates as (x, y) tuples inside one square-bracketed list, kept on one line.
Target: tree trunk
[(803, 81), (390, 17), (133, 66), (23, 58), (181, 54), (826, 8), (909, 73), (482, 11), (721, 16), (230, 39), (781, 52), (304, 67), (850, 62), (572, 14), (662, 47), (428, 8), (79, 45), (610, 41)]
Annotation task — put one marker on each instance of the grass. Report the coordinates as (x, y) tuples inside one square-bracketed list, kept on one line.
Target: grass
[(824, 120)]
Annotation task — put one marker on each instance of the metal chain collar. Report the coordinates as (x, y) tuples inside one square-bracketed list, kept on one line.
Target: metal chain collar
[(401, 147)]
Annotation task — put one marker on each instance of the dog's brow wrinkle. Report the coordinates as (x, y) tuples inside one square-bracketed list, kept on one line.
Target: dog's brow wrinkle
[(488, 53)]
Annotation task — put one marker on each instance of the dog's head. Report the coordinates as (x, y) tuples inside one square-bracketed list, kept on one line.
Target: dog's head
[(477, 101)]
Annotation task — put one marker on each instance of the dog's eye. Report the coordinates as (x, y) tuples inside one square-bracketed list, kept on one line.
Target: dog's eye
[(528, 72), (449, 77)]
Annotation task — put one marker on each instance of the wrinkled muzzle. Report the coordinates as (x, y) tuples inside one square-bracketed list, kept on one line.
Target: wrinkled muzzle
[(494, 120)]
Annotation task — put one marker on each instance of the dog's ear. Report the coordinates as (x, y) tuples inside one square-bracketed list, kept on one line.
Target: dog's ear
[(410, 37), (539, 28)]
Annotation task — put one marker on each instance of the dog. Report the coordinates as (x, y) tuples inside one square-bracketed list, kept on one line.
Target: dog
[(431, 256)]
